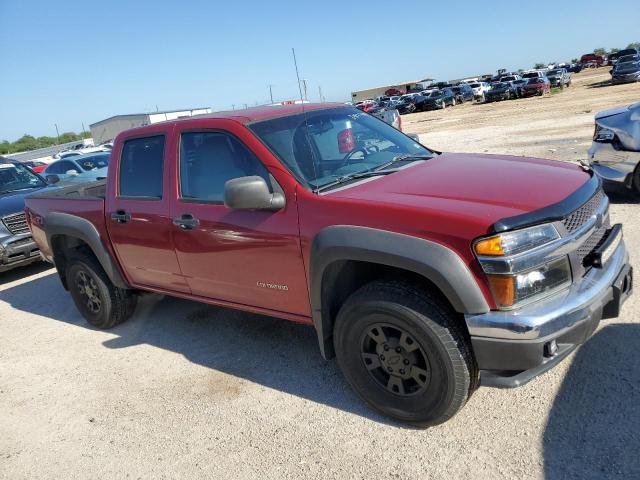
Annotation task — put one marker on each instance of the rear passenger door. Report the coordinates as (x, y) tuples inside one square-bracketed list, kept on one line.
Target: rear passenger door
[(138, 213), (248, 257)]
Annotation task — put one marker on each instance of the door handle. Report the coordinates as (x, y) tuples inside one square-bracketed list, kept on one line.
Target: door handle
[(120, 216), (186, 221)]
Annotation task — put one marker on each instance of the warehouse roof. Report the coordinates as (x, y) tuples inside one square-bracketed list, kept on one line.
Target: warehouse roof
[(148, 113)]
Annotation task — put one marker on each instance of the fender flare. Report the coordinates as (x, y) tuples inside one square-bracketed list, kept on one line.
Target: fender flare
[(433, 261), (58, 223)]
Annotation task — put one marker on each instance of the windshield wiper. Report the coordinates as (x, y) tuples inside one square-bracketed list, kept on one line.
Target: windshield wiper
[(354, 176), (402, 158)]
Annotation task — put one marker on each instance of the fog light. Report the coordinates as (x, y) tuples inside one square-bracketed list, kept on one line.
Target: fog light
[(550, 348)]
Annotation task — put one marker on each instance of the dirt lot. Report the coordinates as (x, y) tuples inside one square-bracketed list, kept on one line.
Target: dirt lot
[(188, 391)]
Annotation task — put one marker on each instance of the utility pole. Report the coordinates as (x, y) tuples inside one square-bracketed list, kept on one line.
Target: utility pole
[(320, 94), (57, 133), (233, 106), (83, 130), (271, 93), (245, 106)]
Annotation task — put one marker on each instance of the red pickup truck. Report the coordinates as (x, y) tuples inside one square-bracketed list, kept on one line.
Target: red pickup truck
[(425, 274)]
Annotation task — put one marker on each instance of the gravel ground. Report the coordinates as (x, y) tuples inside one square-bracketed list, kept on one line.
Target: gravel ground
[(184, 390)]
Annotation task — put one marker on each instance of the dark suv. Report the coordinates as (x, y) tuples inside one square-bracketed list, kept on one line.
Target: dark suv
[(463, 93), (16, 245)]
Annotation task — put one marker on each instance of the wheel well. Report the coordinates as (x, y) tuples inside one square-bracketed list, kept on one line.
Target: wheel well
[(342, 278), (64, 247)]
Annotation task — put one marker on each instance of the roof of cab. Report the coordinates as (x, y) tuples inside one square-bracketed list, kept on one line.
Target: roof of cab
[(265, 112)]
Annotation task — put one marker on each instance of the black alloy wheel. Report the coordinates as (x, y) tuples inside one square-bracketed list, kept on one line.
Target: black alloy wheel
[(395, 360)]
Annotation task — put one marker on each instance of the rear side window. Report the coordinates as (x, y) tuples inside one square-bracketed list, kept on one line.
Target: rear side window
[(140, 169)]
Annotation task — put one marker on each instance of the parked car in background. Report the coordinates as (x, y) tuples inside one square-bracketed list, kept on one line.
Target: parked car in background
[(615, 152), (76, 165), (17, 248), (406, 104), (510, 78), (532, 74), (35, 165), (501, 91), (626, 70), (573, 67), (518, 85), (438, 99), (480, 89), (536, 86), (387, 115), (559, 77), (84, 177), (366, 105), (463, 93), (599, 60), (614, 57)]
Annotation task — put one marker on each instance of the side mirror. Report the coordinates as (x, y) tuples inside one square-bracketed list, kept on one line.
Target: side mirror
[(51, 179), (251, 193), (414, 137), (72, 173)]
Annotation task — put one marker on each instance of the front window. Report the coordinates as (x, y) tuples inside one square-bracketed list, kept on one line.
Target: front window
[(436, 93), (320, 147), (14, 177)]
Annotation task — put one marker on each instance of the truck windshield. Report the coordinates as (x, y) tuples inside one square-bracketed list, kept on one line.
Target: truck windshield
[(15, 177), (320, 146)]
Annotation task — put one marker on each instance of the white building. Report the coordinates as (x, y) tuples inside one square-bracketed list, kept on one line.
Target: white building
[(109, 128)]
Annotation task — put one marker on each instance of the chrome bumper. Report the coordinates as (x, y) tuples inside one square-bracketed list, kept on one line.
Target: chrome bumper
[(554, 316), (17, 250)]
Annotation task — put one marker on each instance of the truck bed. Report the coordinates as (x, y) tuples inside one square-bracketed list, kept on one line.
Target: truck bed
[(88, 190), (85, 200)]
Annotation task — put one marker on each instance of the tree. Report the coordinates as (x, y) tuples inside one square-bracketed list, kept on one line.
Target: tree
[(600, 51), (635, 45), (614, 50), (575, 60), (538, 66)]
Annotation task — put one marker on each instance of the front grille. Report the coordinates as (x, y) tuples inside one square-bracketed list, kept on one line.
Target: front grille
[(594, 241), (16, 223), (578, 218)]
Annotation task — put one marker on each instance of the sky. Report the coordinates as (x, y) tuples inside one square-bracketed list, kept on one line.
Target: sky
[(73, 62)]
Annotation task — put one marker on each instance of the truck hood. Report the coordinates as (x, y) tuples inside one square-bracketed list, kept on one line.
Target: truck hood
[(480, 189), (13, 202)]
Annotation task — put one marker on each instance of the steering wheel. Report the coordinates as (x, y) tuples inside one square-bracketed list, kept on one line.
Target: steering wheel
[(347, 157)]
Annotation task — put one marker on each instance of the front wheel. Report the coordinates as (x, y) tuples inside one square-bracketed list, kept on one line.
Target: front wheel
[(453, 102), (405, 353), (99, 301)]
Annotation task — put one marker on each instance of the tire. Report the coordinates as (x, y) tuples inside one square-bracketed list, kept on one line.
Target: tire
[(453, 102), (444, 105), (636, 180), (423, 335), (99, 301)]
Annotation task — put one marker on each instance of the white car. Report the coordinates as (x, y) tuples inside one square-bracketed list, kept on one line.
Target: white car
[(479, 89), (81, 151), (72, 166), (510, 78)]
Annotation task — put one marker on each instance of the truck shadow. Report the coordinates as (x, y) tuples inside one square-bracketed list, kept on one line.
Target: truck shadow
[(593, 430), (271, 352), (23, 272), (619, 194)]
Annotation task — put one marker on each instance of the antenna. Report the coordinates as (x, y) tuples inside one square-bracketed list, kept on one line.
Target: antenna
[(304, 113)]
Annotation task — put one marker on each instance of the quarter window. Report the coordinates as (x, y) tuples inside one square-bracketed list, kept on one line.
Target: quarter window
[(141, 169), (208, 160)]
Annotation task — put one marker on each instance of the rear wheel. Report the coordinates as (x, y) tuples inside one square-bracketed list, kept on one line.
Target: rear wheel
[(405, 353), (636, 180), (453, 102), (99, 301)]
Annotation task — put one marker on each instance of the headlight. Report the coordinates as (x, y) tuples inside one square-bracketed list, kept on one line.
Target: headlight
[(517, 271), (511, 291), (603, 135), (511, 243)]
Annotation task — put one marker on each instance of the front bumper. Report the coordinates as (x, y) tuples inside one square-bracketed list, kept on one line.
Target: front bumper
[(629, 78), (18, 250), (613, 165), (512, 347)]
